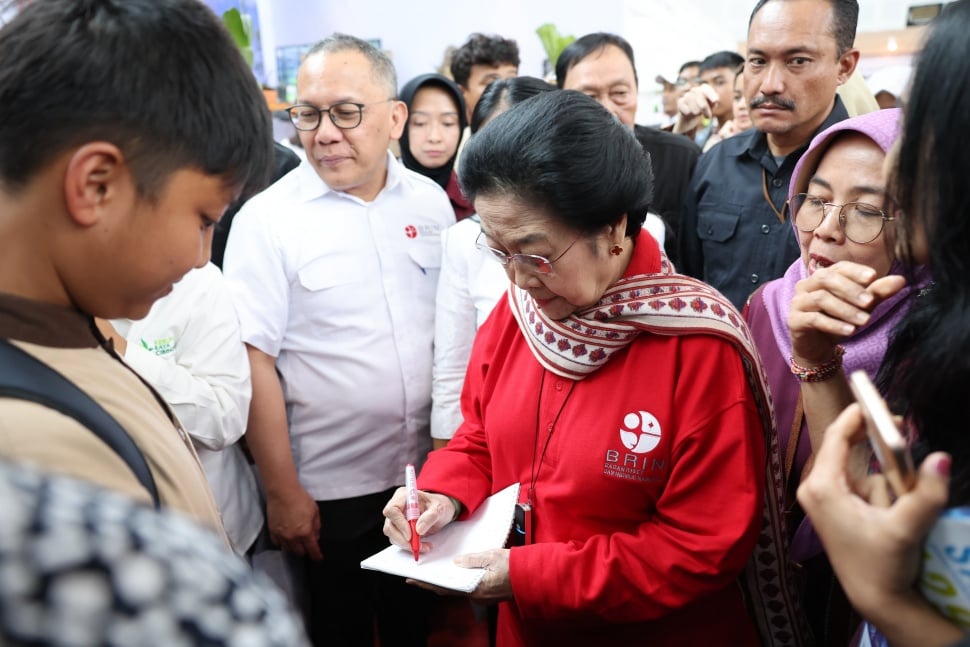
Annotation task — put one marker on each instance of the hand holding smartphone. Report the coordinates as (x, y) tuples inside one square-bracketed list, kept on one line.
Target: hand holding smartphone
[(887, 442)]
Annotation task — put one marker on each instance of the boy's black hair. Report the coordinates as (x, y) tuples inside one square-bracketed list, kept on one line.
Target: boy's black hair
[(160, 79), (480, 49), (683, 67), (717, 60)]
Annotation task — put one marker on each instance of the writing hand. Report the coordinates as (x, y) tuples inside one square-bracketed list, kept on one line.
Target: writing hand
[(437, 511)]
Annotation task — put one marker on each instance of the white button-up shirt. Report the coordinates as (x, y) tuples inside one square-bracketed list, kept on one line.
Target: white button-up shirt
[(469, 287), (341, 292), (188, 348)]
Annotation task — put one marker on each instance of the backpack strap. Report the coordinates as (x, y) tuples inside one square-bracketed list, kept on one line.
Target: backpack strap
[(25, 377)]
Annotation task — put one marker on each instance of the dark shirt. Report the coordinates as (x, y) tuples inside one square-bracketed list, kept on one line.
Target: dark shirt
[(673, 158), (730, 236)]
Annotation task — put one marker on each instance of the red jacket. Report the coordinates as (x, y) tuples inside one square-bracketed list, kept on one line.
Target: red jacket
[(641, 529)]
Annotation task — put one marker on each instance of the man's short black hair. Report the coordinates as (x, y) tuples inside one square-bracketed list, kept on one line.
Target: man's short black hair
[(480, 49), (717, 60), (846, 14), (688, 64), (160, 79), (588, 44)]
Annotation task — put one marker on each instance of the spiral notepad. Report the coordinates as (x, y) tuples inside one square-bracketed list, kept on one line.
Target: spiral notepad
[(487, 528)]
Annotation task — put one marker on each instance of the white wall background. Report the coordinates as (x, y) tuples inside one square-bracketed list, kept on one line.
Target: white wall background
[(664, 33)]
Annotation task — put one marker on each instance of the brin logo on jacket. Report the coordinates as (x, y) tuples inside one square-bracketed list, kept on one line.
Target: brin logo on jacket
[(639, 434)]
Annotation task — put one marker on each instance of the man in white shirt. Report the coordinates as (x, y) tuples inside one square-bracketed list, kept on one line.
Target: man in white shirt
[(334, 269), (188, 348)]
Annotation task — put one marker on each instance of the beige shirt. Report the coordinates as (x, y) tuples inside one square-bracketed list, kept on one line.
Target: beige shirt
[(66, 341)]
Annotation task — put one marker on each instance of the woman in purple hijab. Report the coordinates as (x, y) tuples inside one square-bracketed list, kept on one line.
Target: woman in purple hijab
[(830, 314)]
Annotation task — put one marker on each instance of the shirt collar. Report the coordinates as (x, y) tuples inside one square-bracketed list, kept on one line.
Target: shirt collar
[(312, 186), (45, 324), (757, 147)]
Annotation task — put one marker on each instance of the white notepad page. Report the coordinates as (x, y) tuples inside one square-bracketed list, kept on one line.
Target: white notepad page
[(487, 528)]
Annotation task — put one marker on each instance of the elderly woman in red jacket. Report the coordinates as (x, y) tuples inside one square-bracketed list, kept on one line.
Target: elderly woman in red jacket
[(625, 399)]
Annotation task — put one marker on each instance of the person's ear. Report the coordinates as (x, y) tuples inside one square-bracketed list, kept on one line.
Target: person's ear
[(93, 180), (618, 230), (847, 64), (399, 117)]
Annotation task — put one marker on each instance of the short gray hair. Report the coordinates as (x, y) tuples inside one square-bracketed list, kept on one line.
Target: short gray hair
[(381, 66)]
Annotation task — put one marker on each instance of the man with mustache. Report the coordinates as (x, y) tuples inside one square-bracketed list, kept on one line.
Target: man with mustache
[(734, 233)]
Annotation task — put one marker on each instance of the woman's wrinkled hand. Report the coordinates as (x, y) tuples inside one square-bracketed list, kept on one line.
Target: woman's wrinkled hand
[(437, 511), (495, 585), (831, 305)]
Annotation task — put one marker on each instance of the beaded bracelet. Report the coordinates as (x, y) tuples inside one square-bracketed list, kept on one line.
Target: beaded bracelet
[(821, 372)]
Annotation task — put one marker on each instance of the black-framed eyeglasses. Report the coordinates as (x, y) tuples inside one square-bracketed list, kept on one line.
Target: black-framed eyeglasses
[(344, 114), (862, 223), (530, 262)]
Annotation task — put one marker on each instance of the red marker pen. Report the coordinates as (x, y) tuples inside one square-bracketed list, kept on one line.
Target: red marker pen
[(412, 511)]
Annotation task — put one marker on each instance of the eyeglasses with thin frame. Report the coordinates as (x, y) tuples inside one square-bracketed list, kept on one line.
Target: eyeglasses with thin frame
[(530, 262), (862, 223), (344, 114)]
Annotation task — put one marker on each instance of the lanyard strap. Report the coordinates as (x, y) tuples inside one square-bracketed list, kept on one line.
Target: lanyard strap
[(534, 471), (767, 196)]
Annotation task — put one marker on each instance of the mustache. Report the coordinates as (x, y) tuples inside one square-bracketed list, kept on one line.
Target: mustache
[(775, 99)]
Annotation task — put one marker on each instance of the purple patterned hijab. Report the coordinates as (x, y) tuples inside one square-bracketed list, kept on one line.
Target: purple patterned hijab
[(865, 349)]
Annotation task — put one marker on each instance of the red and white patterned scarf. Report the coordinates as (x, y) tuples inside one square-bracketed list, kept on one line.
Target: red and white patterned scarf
[(666, 303)]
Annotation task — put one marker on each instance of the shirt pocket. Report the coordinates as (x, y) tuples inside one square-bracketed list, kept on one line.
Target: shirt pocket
[(426, 257), (325, 272), (426, 263), (717, 229), (718, 224)]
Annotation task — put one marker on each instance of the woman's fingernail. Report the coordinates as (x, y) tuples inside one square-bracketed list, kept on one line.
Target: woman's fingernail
[(943, 466)]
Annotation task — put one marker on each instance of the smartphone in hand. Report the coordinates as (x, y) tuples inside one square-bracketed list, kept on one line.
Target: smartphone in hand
[(887, 442)]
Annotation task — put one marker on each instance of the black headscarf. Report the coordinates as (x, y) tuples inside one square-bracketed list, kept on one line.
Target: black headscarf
[(442, 174)]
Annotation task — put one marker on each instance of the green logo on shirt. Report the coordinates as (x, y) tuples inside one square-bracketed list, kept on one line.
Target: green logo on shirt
[(162, 346)]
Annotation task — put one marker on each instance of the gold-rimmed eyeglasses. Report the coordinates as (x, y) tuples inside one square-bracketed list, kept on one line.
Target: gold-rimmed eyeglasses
[(530, 262), (862, 223)]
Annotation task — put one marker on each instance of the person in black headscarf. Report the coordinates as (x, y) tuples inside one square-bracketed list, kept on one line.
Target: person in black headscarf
[(429, 143)]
